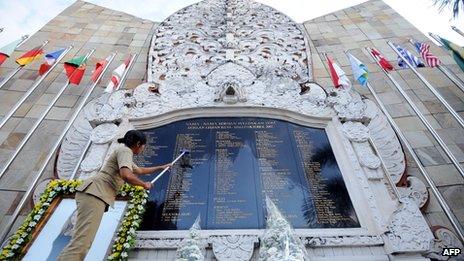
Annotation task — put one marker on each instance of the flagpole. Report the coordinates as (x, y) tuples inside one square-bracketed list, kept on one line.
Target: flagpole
[(424, 120), (457, 30), (89, 142), (15, 71), (51, 154), (18, 104), (36, 124), (454, 222), (430, 87), (445, 70)]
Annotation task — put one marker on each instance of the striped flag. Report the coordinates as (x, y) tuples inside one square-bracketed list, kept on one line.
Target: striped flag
[(8, 49), (30, 56), (360, 71), (382, 61), (429, 58), (99, 68), (115, 80), (411, 58), (338, 76), (50, 59)]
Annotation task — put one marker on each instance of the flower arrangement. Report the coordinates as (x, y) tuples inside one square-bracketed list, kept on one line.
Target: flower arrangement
[(190, 249), (278, 242), (125, 238)]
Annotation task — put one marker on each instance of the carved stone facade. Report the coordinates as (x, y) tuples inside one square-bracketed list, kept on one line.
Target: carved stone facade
[(243, 57)]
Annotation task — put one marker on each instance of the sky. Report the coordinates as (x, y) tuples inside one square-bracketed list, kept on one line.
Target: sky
[(21, 17)]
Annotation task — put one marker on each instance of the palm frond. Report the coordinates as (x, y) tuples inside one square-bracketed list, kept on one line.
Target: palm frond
[(457, 5)]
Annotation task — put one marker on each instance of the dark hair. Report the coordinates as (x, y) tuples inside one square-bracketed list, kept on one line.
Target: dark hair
[(132, 137)]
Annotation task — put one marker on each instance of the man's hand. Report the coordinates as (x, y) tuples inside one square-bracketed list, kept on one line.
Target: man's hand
[(166, 165), (147, 185)]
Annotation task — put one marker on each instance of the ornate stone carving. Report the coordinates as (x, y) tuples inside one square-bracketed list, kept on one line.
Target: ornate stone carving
[(233, 247), (386, 141), (408, 231), (104, 133), (73, 146), (356, 131), (348, 104), (230, 94), (416, 190), (366, 155), (444, 238), (94, 159), (343, 241)]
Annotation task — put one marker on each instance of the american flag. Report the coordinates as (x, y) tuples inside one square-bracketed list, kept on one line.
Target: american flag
[(429, 58), (413, 60)]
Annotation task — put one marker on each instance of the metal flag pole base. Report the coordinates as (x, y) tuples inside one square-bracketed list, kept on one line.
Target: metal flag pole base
[(183, 152)]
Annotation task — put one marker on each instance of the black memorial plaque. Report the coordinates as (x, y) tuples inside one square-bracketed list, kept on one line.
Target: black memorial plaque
[(237, 162)]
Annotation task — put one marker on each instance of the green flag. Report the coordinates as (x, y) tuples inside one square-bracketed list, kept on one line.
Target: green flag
[(456, 51)]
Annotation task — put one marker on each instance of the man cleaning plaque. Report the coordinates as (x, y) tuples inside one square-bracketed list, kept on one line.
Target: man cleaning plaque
[(98, 192)]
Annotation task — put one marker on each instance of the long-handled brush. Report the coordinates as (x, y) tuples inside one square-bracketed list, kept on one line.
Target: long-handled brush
[(184, 163)]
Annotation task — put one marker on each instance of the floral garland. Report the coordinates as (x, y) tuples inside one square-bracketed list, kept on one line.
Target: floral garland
[(125, 238)]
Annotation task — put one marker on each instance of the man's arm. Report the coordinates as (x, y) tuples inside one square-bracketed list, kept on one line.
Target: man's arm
[(128, 176), (150, 170)]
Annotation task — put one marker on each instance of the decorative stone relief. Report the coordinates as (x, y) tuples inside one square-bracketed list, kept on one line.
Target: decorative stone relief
[(94, 158), (233, 247), (343, 241), (73, 146), (386, 141), (364, 184), (444, 238), (348, 104), (366, 155), (408, 231), (355, 131), (104, 133), (416, 190)]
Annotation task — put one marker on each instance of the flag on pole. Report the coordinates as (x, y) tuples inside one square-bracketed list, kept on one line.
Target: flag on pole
[(50, 59), (360, 71), (8, 49), (411, 58), (429, 58), (115, 80), (456, 51), (30, 56), (382, 61), (99, 68), (75, 69), (338, 76)]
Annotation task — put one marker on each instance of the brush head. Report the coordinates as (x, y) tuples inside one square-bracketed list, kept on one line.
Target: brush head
[(185, 160), (185, 151)]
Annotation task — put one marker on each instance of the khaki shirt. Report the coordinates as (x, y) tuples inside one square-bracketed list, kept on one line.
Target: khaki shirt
[(106, 183)]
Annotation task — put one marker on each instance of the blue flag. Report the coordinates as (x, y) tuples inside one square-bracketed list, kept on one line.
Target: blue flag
[(360, 71), (413, 60)]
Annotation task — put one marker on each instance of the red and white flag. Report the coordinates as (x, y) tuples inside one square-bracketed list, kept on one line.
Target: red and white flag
[(115, 80), (429, 58), (338, 76), (99, 68), (382, 61)]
